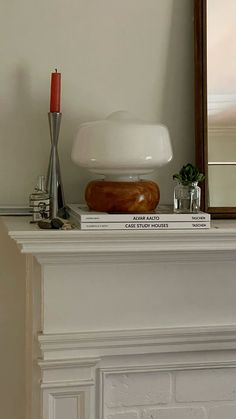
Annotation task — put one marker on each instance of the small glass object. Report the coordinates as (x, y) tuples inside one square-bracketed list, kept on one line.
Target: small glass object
[(187, 198), (39, 201)]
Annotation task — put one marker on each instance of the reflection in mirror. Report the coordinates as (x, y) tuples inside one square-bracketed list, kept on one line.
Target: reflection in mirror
[(215, 104), (221, 102)]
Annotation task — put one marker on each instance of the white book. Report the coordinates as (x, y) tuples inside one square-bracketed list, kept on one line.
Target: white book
[(163, 213), (130, 225)]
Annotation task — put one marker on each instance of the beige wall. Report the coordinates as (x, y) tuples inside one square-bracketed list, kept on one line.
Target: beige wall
[(12, 329), (113, 54)]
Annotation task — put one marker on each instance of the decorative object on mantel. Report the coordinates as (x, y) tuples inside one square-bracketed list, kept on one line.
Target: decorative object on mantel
[(122, 196), (187, 193), (163, 218), (122, 148), (39, 201), (54, 181), (55, 224)]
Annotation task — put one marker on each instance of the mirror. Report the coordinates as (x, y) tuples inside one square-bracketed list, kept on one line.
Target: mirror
[(215, 104)]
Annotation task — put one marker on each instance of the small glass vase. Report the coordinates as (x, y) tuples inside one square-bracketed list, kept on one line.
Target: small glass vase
[(187, 198)]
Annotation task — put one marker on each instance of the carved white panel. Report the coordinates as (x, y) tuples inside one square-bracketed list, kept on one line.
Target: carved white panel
[(64, 404), (67, 407)]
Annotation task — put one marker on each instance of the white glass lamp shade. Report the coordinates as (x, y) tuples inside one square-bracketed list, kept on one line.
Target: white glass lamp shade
[(121, 146)]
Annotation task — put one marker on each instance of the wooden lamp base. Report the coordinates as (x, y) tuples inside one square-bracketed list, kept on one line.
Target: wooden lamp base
[(126, 197)]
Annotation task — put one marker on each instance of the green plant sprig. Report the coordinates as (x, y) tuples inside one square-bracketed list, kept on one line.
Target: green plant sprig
[(189, 174)]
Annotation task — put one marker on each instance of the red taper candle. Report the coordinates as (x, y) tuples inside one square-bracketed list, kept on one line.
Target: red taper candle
[(55, 98)]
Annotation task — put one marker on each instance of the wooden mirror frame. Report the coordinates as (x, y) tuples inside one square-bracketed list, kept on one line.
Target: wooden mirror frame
[(201, 131)]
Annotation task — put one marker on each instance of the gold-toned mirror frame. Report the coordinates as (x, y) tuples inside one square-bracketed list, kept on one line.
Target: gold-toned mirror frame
[(201, 148)]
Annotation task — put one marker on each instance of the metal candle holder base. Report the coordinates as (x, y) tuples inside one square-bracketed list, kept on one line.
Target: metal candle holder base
[(54, 182)]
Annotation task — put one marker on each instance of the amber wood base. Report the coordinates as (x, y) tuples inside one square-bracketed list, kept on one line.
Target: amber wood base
[(129, 197)]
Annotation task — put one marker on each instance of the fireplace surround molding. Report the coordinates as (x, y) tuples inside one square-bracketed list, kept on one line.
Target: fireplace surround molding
[(109, 246), (129, 324)]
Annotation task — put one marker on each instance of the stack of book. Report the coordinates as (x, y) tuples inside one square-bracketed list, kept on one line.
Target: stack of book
[(162, 218)]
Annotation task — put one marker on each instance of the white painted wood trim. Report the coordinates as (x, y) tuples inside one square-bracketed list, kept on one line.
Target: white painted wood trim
[(51, 395), (68, 363), (71, 364), (68, 384), (123, 342), (217, 243), (28, 337), (122, 241)]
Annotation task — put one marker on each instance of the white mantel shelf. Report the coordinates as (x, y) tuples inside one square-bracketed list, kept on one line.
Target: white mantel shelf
[(221, 237)]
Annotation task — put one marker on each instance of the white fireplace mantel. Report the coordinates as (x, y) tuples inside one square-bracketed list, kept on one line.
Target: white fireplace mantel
[(48, 245), (115, 318)]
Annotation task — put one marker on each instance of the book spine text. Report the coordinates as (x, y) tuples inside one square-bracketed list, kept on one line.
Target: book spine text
[(145, 226)]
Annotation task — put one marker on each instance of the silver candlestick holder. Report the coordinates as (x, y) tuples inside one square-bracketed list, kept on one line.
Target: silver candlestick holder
[(54, 182)]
